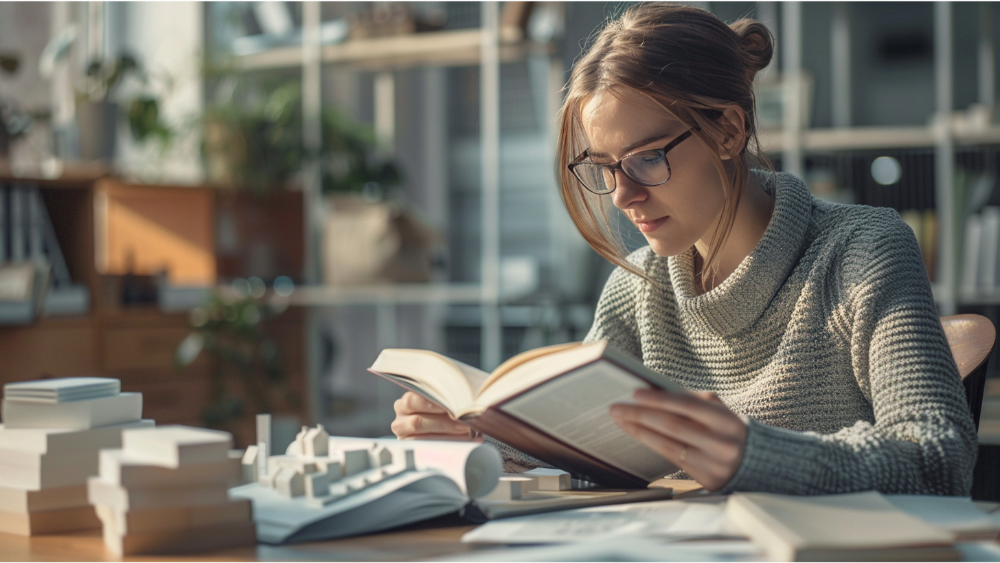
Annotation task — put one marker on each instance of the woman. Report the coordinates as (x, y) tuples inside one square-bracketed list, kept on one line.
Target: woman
[(807, 329)]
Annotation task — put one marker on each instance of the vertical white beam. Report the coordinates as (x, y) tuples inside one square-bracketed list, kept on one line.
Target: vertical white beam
[(95, 31), (385, 112), (489, 117), (987, 63), (840, 64), (791, 27), (313, 213), (312, 133), (944, 154)]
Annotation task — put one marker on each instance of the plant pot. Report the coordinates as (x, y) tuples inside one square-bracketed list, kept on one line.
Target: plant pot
[(97, 123)]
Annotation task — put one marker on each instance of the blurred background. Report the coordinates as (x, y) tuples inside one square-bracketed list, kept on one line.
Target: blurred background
[(234, 206)]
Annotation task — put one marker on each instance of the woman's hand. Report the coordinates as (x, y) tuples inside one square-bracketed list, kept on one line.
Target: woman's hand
[(695, 431), (419, 419)]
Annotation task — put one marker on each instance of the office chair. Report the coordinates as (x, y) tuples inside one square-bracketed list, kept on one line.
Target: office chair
[(971, 338)]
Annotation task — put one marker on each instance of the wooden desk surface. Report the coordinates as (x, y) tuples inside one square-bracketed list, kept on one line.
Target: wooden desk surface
[(435, 538)]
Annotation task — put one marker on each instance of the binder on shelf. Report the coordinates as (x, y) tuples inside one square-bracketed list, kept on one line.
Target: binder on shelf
[(970, 257), (989, 241)]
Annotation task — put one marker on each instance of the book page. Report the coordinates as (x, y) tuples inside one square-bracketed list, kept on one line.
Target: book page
[(448, 381), (574, 409)]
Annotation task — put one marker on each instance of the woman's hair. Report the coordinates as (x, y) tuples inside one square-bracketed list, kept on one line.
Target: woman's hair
[(691, 64)]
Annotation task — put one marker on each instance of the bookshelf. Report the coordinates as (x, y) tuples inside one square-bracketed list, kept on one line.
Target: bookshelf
[(136, 343), (795, 142), (485, 47)]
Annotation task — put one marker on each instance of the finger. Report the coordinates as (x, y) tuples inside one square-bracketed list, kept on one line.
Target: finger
[(679, 428), (663, 445), (723, 448), (415, 424), (445, 437), (412, 403), (712, 414)]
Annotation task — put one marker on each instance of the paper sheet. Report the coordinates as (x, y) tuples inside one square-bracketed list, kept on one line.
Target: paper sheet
[(663, 519), (958, 515), (632, 549), (473, 466)]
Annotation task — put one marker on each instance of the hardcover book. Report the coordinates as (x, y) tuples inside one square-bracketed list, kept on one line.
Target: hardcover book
[(552, 403)]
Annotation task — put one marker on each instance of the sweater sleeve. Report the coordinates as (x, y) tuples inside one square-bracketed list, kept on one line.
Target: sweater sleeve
[(923, 440), (614, 320)]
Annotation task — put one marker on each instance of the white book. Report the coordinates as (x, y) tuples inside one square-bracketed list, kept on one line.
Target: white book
[(63, 389), (118, 498), (174, 446), (847, 527), (160, 519), (60, 458), (76, 415), (971, 256), (65, 441), (202, 538), (13, 499), (49, 522), (988, 248), (120, 468)]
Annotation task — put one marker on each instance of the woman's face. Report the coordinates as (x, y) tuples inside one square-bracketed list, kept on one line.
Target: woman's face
[(672, 216)]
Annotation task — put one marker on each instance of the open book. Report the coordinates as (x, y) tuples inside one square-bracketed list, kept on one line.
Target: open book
[(551, 403)]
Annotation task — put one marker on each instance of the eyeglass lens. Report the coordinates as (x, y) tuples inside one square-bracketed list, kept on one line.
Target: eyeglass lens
[(649, 168)]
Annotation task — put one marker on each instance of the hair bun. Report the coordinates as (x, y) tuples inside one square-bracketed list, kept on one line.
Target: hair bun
[(756, 45)]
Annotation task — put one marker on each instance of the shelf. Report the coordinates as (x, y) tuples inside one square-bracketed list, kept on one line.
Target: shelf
[(868, 138), (445, 48), (388, 294)]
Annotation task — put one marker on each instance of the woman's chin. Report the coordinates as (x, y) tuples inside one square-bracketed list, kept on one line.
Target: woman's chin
[(665, 248)]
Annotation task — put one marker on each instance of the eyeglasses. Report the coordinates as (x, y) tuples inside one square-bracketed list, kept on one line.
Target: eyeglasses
[(647, 168)]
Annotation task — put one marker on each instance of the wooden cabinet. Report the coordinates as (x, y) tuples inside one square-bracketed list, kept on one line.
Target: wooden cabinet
[(100, 222)]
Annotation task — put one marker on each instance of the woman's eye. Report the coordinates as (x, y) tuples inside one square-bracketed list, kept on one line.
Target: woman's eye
[(651, 158)]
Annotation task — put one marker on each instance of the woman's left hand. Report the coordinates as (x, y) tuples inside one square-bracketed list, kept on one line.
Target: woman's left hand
[(694, 430)]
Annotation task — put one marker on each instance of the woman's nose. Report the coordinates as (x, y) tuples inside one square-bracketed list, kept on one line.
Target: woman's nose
[(626, 191)]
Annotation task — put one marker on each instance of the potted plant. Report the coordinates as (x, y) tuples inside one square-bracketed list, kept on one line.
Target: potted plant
[(97, 107)]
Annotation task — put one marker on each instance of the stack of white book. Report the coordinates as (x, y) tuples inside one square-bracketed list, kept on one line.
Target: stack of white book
[(166, 491), (50, 438)]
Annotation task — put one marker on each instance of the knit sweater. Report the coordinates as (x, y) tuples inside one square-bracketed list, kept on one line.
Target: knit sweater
[(825, 341)]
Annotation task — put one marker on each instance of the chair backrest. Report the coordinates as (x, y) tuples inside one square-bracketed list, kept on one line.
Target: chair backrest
[(971, 338)]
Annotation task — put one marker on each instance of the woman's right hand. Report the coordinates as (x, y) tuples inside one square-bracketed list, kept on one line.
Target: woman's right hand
[(419, 419)]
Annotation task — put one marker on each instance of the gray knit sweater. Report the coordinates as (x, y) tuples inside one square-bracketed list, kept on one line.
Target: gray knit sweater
[(825, 340)]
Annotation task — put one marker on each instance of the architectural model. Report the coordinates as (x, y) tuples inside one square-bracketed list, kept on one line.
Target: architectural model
[(312, 471)]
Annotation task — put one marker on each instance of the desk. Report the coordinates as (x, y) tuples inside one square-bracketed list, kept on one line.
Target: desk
[(437, 537), (434, 538)]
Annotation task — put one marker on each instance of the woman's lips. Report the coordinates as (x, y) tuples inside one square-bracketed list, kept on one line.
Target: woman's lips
[(650, 226)]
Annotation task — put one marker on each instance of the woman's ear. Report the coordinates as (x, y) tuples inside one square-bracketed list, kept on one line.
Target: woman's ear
[(733, 122)]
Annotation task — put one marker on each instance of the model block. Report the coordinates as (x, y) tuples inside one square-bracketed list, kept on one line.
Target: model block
[(249, 463), (173, 446), (290, 483), (512, 487), (355, 461), (317, 485), (550, 479)]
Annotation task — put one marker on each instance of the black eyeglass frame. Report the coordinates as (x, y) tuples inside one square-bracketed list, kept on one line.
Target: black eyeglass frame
[(618, 165)]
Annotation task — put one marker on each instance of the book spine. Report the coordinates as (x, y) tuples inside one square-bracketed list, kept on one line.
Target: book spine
[(34, 230), (17, 224), (4, 191)]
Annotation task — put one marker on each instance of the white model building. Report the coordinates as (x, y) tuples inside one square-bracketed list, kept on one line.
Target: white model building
[(321, 476)]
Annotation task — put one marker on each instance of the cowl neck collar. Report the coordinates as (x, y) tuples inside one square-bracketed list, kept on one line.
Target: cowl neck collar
[(736, 303)]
